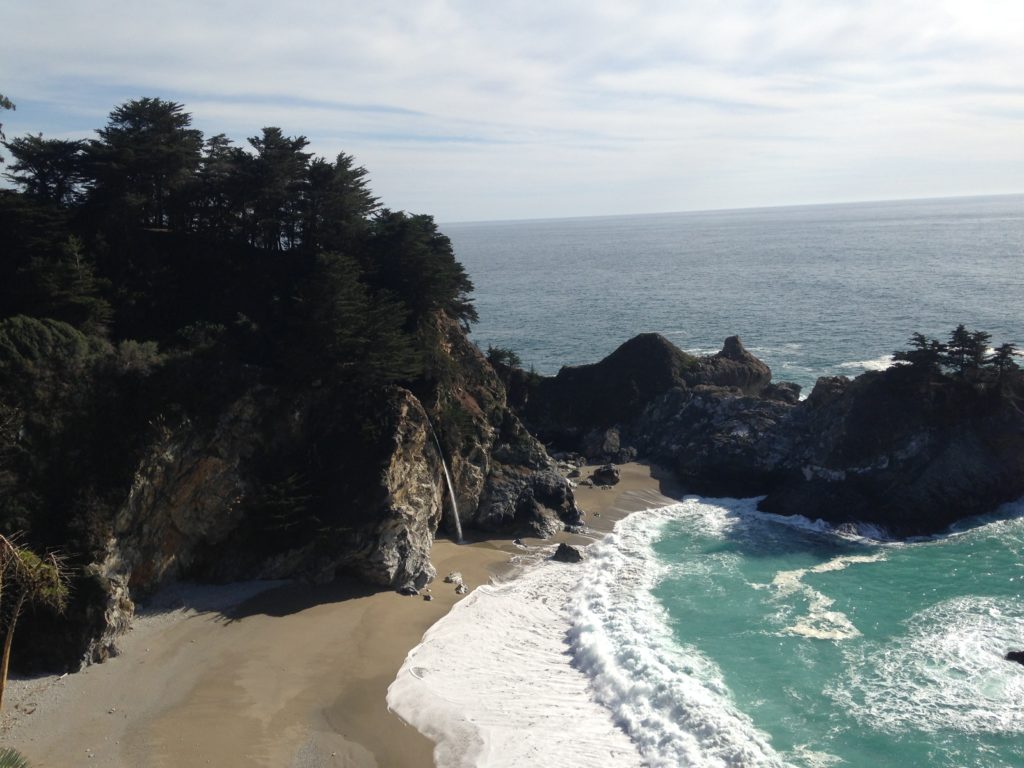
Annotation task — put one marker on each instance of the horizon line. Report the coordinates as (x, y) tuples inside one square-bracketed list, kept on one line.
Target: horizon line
[(689, 211)]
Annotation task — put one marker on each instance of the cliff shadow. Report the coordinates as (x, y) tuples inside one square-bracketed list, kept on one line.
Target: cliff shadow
[(295, 597), (237, 600)]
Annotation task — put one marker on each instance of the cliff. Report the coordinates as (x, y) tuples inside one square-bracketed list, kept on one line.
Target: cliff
[(201, 384), (309, 483), (909, 451)]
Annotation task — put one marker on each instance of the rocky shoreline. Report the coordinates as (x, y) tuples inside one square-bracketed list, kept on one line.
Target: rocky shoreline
[(896, 449), (908, 452), (276, 674)]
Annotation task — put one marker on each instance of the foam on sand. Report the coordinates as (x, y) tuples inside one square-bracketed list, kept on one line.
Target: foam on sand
[(492, 685), (573, 665)]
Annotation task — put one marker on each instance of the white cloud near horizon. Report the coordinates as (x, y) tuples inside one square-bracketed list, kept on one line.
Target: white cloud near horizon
[(535, 109)]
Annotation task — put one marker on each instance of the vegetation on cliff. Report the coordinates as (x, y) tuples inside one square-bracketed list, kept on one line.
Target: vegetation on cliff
[(153, 276), (965, 355)]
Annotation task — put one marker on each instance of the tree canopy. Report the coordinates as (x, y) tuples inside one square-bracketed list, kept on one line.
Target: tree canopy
[(966, 354)]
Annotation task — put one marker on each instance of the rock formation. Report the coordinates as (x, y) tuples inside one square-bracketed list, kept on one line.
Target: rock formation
[(292, 487), (605, 475), (906, 450), (567, 553), (295, 486)]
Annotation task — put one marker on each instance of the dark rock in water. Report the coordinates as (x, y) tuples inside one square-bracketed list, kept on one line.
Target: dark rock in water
[(1017, 656), (909, 449), (461, 589), (606, 475), (567, 553), (408, 590), (896, 449), (428, 598), (908, 452)]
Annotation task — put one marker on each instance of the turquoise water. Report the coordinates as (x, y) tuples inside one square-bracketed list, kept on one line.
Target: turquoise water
[(813, 290), (709, 635), (850, 652)]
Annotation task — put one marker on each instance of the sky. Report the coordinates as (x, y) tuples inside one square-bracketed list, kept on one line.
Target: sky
[(540, 109)]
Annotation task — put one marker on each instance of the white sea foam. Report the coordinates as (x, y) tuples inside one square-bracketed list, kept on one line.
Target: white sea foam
[(877, 364), (946, 673), (820, 622), (575, 665), (491, 683), (671, 701)]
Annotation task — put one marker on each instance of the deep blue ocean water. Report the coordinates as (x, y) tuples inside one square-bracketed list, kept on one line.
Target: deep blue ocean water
[(812, 290), (707, 633)]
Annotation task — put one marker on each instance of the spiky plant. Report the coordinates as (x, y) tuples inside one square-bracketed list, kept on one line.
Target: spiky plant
[(26, 578), (12, 758)]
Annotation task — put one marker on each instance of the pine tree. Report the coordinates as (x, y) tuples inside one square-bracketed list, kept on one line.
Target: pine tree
[(48, 169), (277, 175), (966, 350), (145, 159), (1002, 360), (338, 205), (926, 354)]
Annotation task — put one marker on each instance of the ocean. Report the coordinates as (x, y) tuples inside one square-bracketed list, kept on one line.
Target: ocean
[(812, 290), (707, 633)]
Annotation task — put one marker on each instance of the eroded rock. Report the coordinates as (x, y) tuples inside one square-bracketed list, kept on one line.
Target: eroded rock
[(567, 553), (606, 475)]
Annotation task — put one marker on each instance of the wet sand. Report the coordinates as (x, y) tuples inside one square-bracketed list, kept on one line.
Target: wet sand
[(292, 676)]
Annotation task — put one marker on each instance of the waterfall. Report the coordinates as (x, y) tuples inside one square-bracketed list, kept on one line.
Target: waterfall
[(451, 488)]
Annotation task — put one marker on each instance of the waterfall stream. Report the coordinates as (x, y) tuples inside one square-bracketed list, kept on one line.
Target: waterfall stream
[(451, 488)]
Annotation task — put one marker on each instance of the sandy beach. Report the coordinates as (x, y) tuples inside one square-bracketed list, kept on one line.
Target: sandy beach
[(292, 675)]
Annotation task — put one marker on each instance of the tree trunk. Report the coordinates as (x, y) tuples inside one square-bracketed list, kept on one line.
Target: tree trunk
[(7, 646)]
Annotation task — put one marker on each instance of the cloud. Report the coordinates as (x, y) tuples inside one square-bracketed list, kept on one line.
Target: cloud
[(529, 109)]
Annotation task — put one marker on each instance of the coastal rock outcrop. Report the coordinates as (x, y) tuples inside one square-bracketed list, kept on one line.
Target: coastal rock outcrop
[(606, 475), (591, 407), (615, 390), (909, 451), (505, 479), (734, 367), (567, 553), (295, 488)]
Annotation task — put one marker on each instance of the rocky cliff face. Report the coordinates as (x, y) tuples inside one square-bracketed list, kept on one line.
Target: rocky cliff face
[(363, 497), (910, 453), (599, 409), (906, 451), (504, 477)]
